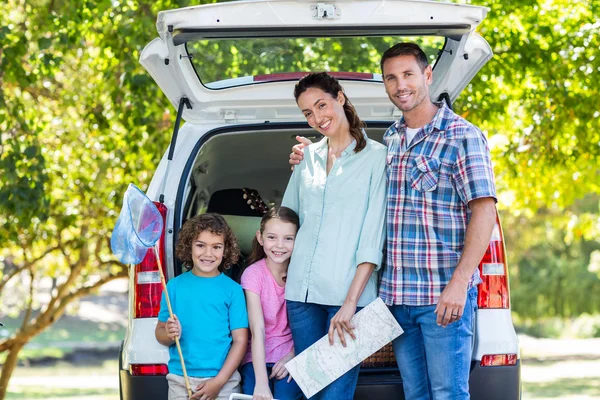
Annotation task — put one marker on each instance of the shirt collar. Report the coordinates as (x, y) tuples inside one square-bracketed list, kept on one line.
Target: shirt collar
[(438, 123), (322, 146)]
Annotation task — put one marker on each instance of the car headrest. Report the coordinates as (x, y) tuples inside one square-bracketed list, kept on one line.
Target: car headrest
[(242, 209)]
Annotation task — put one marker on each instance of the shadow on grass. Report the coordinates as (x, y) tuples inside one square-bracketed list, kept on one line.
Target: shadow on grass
[(561, 388), (62, 393)]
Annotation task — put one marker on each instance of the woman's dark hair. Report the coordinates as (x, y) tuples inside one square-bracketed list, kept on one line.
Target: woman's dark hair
[(328, 84), (284, 214), (216, 225)]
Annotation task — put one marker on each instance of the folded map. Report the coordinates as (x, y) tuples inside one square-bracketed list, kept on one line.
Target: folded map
[(321, 364)]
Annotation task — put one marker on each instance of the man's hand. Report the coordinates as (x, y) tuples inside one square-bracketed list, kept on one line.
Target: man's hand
[(208, 389), (451, 304), (297, 154), (173, 327), (341, 322)]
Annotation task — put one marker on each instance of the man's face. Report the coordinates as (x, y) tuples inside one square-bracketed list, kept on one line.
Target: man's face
[(405, 84)]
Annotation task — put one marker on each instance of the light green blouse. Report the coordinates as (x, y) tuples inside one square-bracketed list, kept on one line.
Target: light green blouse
[(342, 222)]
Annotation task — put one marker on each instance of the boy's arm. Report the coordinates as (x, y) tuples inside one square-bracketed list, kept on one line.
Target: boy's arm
[(166, 332), (210, 388), (161, 334)]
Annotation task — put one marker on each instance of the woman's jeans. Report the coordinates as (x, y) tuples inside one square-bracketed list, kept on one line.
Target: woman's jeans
[(309, 322), (434, 361), (281, 389)]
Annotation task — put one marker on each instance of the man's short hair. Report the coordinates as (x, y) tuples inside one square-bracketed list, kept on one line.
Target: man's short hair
[(406, 49)]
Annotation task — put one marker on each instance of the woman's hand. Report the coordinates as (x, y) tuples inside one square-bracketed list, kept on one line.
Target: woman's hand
[(279, 370), (173, 327), (262, 392), (341, 322)]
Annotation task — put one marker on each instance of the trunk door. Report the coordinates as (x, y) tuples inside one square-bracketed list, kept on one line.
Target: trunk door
[(238, 61)]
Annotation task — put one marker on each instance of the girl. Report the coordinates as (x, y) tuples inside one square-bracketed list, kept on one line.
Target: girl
[(339, 192), (271, 346), (209, 313)]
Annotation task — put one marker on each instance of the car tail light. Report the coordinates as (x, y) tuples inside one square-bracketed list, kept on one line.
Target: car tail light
[(496, 360), (148, 369), (493, 292), (287, 76), (148, 288)]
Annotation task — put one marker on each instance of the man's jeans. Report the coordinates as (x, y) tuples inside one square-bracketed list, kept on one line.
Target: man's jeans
[(309, 322), (434, 361)]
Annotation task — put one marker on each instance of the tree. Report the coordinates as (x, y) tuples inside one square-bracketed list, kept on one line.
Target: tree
[(538, 101), (80, 118)]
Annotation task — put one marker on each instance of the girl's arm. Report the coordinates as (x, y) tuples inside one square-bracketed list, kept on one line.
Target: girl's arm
[(211, 387), (257, 328)]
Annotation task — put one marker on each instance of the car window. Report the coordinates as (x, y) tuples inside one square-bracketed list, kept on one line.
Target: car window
[(235, 62)]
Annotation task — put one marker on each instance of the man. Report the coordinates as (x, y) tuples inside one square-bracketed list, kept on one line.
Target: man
[(441, 213)]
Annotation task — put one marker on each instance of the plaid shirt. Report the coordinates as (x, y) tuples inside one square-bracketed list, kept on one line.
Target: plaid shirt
[(430, 183)]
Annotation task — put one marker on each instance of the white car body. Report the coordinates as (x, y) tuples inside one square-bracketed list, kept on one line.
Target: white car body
[(240, 102)]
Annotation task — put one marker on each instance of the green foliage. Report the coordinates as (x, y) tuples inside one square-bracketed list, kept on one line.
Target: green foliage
[(553, 259), (80, 119), (538, 100)]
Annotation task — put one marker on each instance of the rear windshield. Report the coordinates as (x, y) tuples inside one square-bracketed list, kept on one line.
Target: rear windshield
[(234, 62)]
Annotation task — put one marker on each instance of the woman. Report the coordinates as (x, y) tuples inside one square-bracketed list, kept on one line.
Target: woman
[(339, 192)]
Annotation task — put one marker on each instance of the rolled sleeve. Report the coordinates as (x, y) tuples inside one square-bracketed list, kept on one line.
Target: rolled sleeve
[(473, 173), (372, 236)]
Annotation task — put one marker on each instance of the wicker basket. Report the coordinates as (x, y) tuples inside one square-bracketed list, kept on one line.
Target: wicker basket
[(383, 358)]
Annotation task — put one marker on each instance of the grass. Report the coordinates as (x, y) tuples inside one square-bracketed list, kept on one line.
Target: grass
[(64, 336), (564, 388), (45, 393), (66, 381)]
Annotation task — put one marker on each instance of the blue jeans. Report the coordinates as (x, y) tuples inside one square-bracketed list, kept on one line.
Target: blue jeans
[(309, 322), (280, 388), (434, 362)]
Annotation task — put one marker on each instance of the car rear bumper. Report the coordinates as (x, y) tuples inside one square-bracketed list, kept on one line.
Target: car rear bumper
[(495, 383), (489, 383), (142, 387)]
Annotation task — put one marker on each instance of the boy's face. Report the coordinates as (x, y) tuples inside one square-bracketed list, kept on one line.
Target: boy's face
[(207, 254)]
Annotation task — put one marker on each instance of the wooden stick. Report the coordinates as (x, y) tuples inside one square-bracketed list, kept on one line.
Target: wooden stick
[(164, 284)]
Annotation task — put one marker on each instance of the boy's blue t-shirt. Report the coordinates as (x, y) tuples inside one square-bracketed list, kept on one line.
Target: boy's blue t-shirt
[(208, 310)]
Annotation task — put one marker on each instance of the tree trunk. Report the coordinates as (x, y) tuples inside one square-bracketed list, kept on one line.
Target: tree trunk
[(9, 367)]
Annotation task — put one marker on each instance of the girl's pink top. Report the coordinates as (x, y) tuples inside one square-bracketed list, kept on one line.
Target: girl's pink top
[(258, 279)]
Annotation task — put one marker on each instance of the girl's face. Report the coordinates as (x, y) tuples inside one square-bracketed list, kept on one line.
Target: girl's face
[(323, 112), (207, 254), (277, 240)]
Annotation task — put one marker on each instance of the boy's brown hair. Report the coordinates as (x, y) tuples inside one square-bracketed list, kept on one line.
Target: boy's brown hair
[(215, 224)]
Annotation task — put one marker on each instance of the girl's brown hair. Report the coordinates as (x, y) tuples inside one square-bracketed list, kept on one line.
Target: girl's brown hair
[(328, 84), (216, 225), (284, 214)]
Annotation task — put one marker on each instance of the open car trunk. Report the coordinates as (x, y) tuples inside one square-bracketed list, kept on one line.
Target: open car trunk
[(245, 157), (229, 159)]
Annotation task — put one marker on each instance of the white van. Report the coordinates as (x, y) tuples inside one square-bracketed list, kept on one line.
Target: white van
[(229, 70)]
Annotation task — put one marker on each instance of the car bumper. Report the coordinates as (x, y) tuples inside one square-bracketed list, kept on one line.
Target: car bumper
[(489, 383), (142, 387), (495, 383)]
